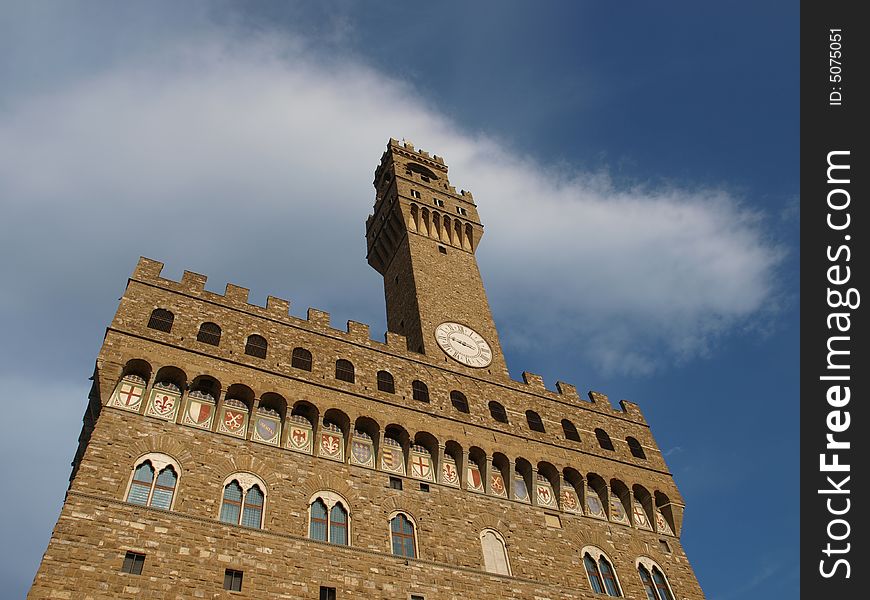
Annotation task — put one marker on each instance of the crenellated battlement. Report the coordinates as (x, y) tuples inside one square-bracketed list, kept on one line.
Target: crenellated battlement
[(317, 321)]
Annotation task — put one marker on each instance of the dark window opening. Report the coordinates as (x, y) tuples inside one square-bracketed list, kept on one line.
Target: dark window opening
[(133, 562), (603, 439), (395, 483), (498, 412), (534, 420), (301, 359), (209, 333), (635, 447), (256, 346), (233, 580), (386, 383), (344, 370), (424, 487), (459, 401), (327, 593), (442, 249), (161, 320), (570, 431), (420, 391)]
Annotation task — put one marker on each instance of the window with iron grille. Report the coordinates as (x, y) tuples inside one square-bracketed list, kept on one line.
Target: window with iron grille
[(233, 580), (327, 593), (161, 320), (635, 447), (133, 563), (498, 412), (534, 420), (256, 346), (386, 383), (209, 333), (301, 359), (603, 439), (570, 431), (459, 401), (344, 370), (420, 391)]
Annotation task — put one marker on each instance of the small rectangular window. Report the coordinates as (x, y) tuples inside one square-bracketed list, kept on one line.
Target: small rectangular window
[(395, 483), (664, 546), (133, 562), (417, 597), (233, 580), (424, 487), (461, 210), (438, 202), (415, 194), (327, 593)]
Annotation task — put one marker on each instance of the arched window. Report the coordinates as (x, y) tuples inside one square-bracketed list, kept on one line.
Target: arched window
[(534, 420), (495, 558), (146, 489), (386, 383), (599, 570), (301, 359), (570, 431), (328, 520), (498, 412), (402, 532), (459, 401), (635, 447), (603, 439), (256, 346), (654, 581), (161, 320), (420, 391), (209, 333), (344, 370), (243, 501)]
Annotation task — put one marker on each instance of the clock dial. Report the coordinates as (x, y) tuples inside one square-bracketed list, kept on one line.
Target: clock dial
[(463, 345)]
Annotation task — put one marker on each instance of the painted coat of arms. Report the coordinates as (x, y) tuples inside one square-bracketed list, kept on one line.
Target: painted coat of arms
[(617, 510), (163, 404), (331, 445), (473, 479), (299, 438), (128, 395), (496, 484), (449, 475), (640, 518), (392, 459), (267, 430), (199, 413), (569, 501), (361, 453), (233, 421)]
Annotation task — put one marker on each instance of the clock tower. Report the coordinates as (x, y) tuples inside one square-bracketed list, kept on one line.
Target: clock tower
[(422, 237)]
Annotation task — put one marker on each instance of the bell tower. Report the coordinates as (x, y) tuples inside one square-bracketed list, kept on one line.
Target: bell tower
[(422, 237)]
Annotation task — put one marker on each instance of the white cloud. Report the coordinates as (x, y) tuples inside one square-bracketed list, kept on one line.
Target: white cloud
[(259, 155)]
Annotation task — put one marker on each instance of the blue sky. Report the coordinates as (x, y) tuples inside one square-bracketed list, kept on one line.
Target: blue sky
[(636, 169)]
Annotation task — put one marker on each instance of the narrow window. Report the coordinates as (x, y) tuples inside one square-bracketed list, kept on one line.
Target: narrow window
[(327, 593), (635, 447), (498, 412), (209, 333), (338, 525), (301, 359), (386, 382), (256, 346), (592, 573), (609, 579), (459, 401), (140, 489), (461, 211), (395, 483), (164, 489), (233, 580), (415, 194), (648, 586), (534, 420), (403, 536), (420, 391), (231, 509), (603, 439), (133, 563), (494, 552), (252, 516), (319, 523), (438, 202), (344, 370), (161, 320), (570, 431), (661, 585)]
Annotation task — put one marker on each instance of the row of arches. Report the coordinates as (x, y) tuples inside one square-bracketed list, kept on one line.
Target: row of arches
[(390, 447), (243, 502), (441, 227)]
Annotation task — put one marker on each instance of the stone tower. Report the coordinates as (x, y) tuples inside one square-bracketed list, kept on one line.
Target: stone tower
[(230, 449)]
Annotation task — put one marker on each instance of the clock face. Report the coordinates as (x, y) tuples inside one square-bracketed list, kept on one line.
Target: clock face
[(463, 344)]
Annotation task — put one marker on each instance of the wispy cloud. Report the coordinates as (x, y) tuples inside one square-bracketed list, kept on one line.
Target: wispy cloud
[(209, 151)]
